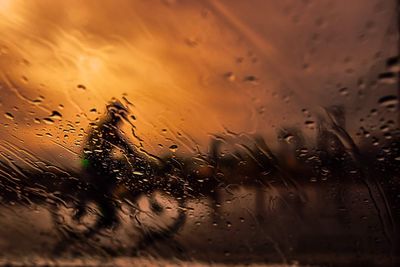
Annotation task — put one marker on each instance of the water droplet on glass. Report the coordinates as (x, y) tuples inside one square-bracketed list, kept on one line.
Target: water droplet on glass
[(384, 128), (230, 76), (380, 158), (173, 148), (8, 115), (81, 86), (387, 135), (310, 124), (344, 91), (288, 138), (251, 79), (48, 121), (375, 141), (37, 101), (387, 78), (388, 101), (374, 112), (55, 115), (393, 64)]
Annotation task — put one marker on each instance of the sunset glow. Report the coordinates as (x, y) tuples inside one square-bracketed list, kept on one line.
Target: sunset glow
[(196, 69)]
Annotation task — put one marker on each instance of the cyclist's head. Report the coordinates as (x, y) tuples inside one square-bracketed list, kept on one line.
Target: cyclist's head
[(117, 110)]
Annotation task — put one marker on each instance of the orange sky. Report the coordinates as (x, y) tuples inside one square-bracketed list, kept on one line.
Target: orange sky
[(193, 68)]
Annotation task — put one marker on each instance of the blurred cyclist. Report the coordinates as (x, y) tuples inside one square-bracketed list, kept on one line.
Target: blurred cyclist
[(108, 161)]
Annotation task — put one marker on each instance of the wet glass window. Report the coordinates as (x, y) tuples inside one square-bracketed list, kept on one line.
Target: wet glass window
[(198, 133)]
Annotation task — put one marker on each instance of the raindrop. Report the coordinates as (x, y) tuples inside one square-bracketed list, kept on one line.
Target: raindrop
[(251, 79), (365, 132), (361, 84), (8, 115), (81, 86), (288, 138), (384, 128), (56, 115), (374, 112), (387, 136), (86, 151), (388, 101), (375, 141), (310, 124), (387, 78), (48, 121), (230, 76), (344, 91), (393, 64), (286, 99), (37, 101), (173, 148), (306, 112)]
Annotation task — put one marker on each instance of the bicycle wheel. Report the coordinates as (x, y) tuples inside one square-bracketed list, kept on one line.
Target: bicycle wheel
[(75, 219)]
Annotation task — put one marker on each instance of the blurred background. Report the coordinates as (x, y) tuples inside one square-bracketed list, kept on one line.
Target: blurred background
[(317, 81)]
